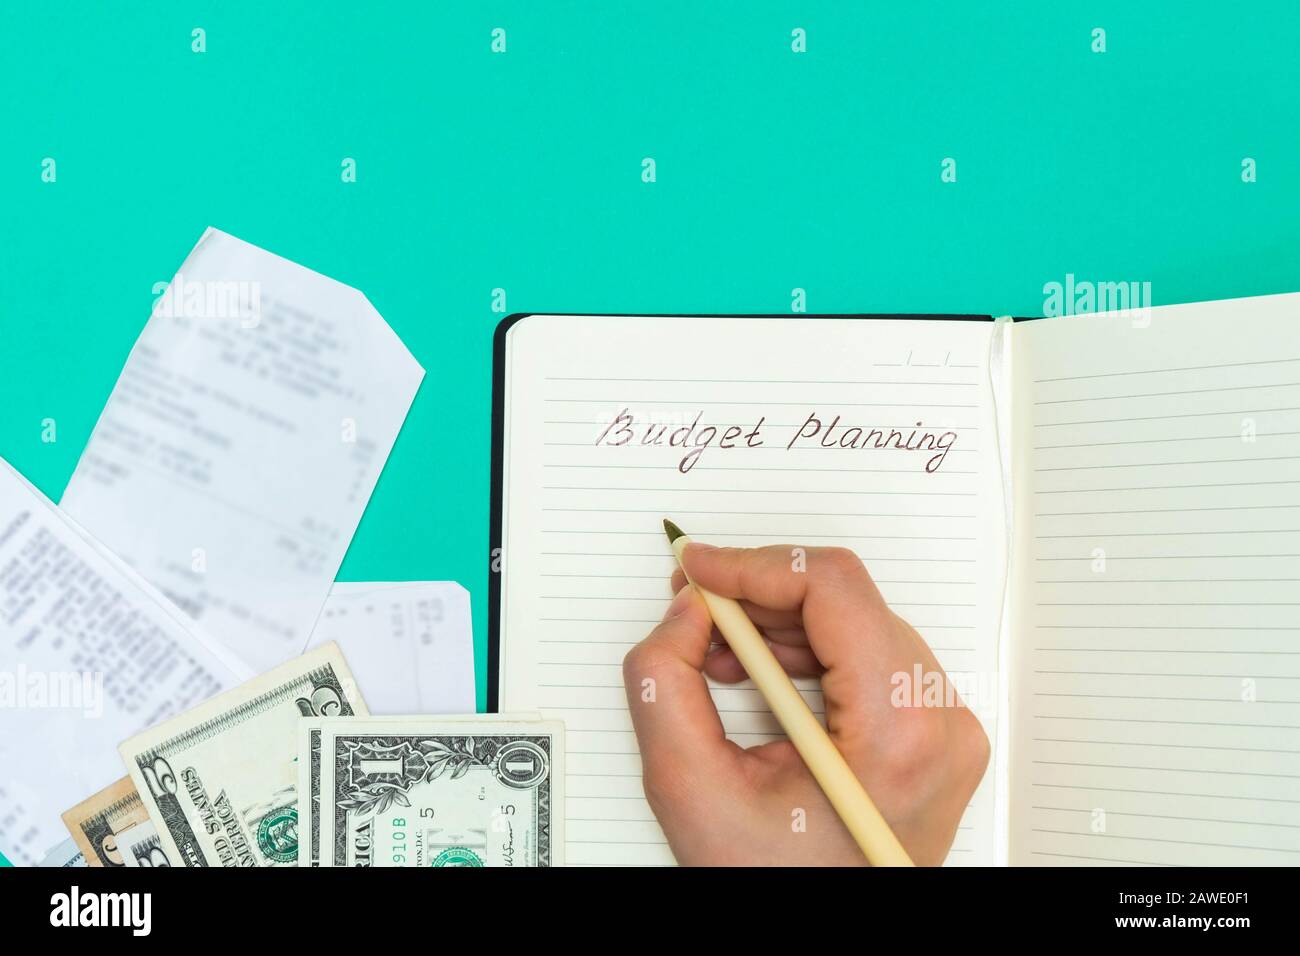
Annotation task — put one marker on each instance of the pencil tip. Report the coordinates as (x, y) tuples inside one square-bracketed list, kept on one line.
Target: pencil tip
[(672, 531)]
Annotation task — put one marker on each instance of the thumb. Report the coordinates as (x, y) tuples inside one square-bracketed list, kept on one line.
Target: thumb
[(676, 722)]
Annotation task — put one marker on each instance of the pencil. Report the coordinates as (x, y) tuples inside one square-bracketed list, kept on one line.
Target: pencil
[(832, 773)]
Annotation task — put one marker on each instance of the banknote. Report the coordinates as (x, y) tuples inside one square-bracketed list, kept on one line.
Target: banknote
[(309, 768), (100, 824), (220, 781), (65, 854), (142, 847), (430, 791)]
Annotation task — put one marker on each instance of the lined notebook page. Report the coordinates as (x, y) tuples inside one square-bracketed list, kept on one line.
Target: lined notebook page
[(1156, 705), (586, 566)]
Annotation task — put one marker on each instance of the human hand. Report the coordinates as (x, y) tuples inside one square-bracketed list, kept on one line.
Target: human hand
[(720, 804)]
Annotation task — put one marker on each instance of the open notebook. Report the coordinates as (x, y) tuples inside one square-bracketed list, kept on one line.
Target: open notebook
[(1094, 522)]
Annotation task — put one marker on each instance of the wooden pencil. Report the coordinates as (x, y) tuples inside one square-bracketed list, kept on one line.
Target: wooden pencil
[(832, 773)]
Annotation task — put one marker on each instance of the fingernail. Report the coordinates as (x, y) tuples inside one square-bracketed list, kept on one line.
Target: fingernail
[(680, 603), (699, 546)]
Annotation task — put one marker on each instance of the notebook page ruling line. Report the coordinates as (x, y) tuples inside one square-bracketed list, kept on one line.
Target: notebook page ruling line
[(742, 709), (1156, 719), (600, 578)]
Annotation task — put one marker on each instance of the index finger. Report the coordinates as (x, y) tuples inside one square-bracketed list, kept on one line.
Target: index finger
[(676, 722), (841, 607)]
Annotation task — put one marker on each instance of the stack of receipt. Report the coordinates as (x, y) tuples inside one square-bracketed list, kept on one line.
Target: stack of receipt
[(195, 548)]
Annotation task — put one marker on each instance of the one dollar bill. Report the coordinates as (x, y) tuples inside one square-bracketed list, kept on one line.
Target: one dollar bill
[(433, 791), (219, 782)]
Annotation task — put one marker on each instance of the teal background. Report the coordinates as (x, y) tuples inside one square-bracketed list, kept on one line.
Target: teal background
[(522, 171)]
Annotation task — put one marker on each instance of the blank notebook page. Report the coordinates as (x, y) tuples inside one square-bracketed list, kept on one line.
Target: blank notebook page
[(586, 565), (1156, 703)]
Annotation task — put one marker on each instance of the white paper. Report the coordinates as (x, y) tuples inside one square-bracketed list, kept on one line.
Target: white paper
[(586, 566), (1157, 685), (66, 854), (140, 846), (410, 645), (89, 655), (242, 442)]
